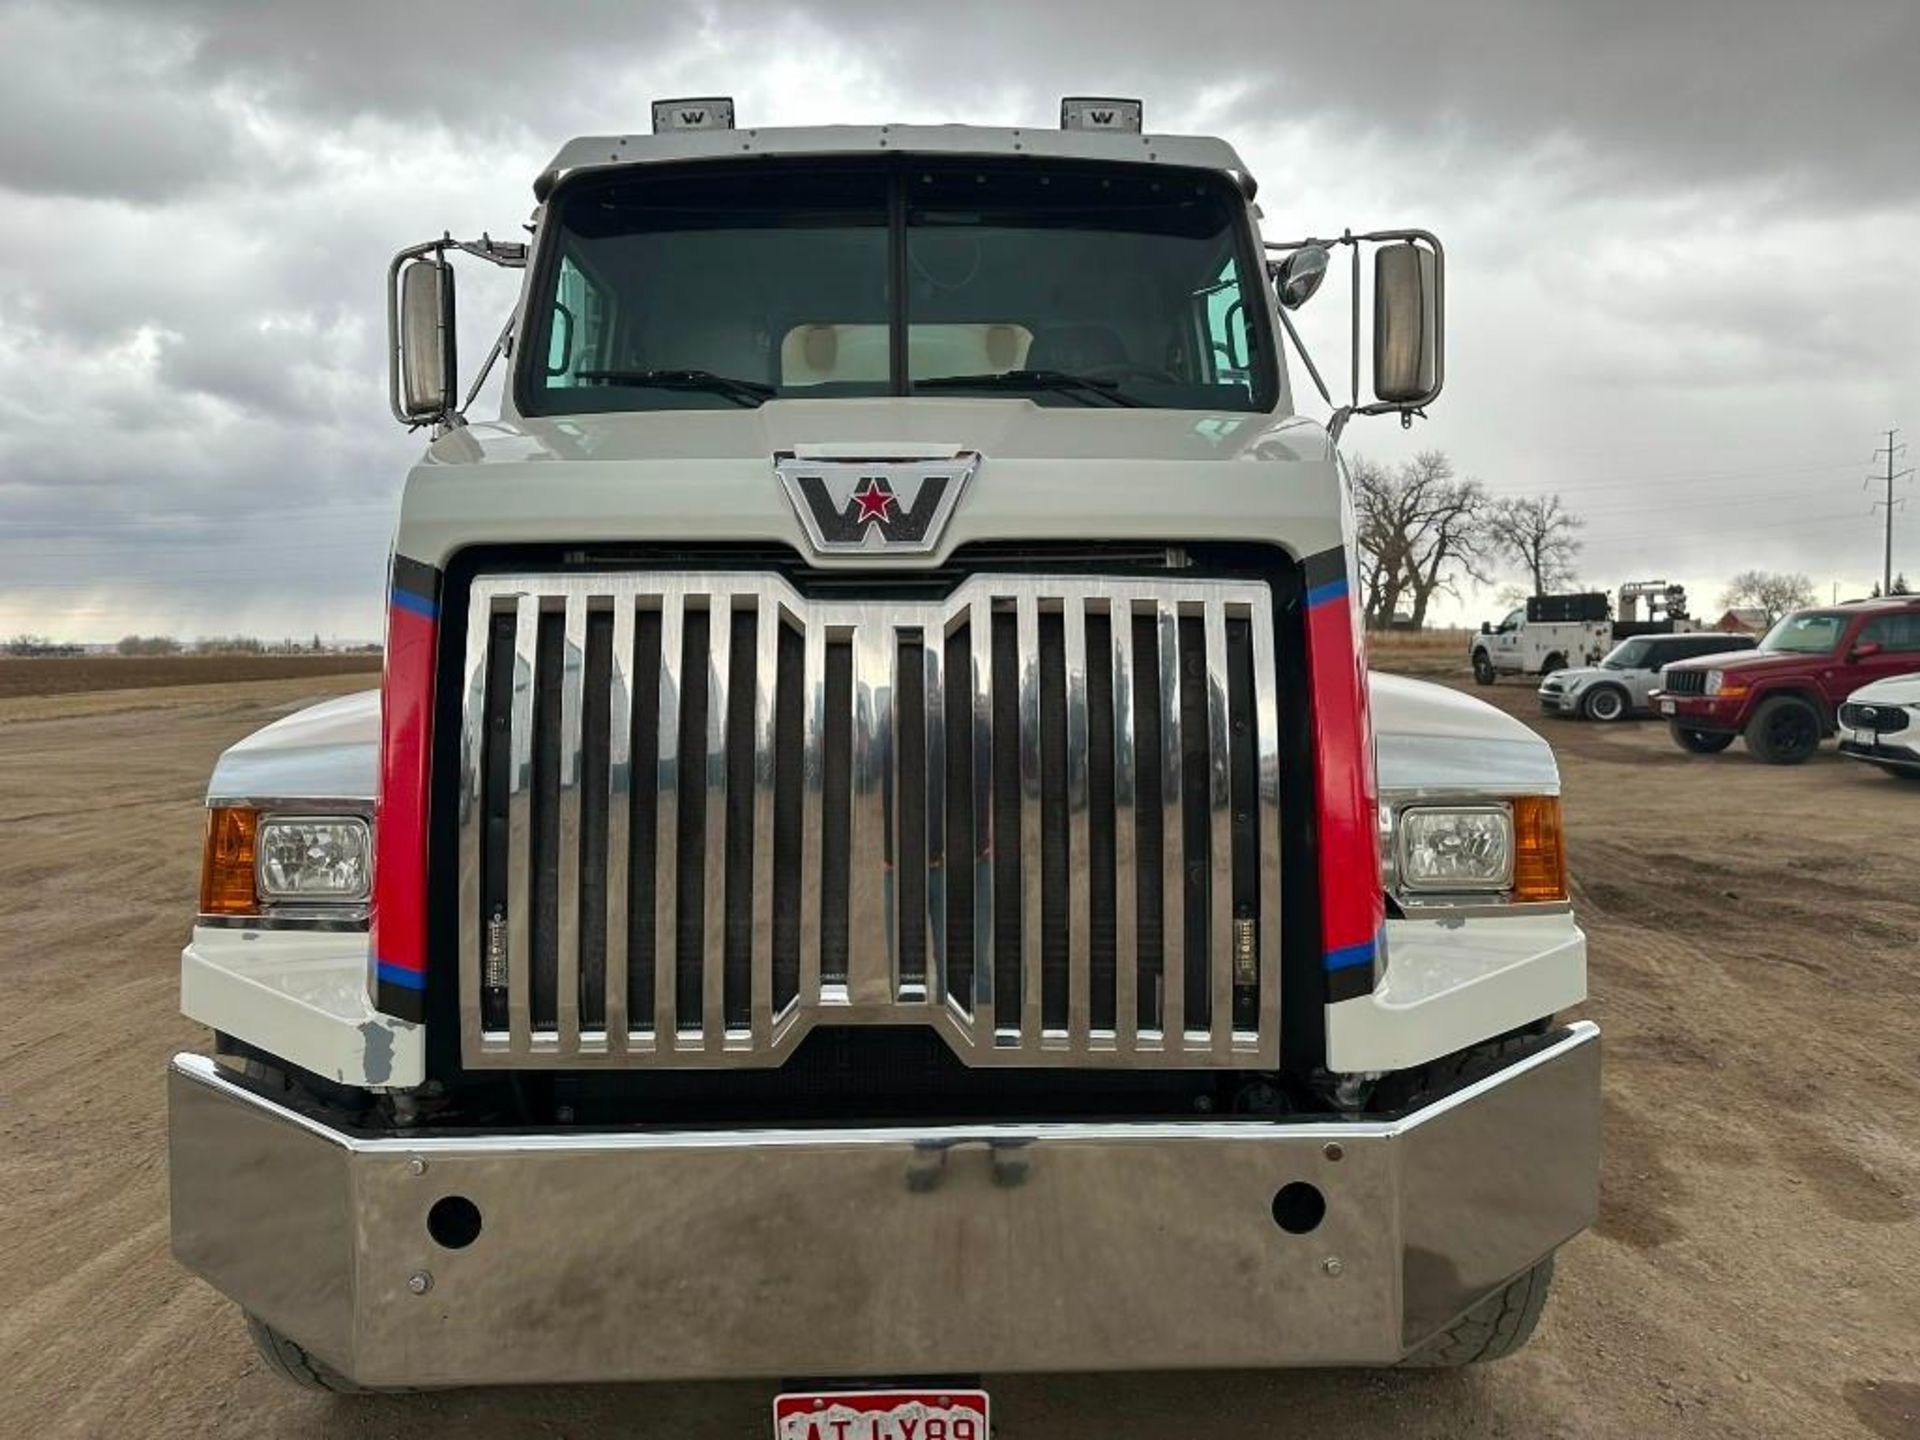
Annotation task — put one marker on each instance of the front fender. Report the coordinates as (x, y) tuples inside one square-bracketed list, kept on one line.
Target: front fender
[(1452, 981)]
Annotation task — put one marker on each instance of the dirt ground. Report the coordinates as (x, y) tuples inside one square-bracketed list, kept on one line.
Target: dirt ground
[(1756, 1269), (69, 674)]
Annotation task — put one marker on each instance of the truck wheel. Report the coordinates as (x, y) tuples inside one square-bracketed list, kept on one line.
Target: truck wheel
[(1555, 664), (1493, 1329), (1784, 731), (1604, 703), (1699, 742), (1483, 668), (285, 1358)]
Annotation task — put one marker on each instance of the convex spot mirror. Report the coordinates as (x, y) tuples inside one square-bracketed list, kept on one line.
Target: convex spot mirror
[(426, 341), (1406, 324), (1297, 277)]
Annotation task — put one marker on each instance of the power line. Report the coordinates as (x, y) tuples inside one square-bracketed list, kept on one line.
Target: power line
[(1892, 450)]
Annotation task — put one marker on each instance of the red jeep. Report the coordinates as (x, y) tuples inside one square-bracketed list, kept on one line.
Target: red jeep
[(1783, 695)]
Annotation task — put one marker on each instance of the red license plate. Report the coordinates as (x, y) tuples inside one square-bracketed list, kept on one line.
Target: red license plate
[(882, 1415)]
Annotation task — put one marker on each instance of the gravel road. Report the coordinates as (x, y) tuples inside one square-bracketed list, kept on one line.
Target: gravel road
[(1756, 1270)]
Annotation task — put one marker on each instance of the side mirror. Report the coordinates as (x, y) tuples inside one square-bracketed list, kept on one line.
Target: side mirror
[(1486, 627), (1297, 277), (427, 359), (1406, 325), (1865, 650)]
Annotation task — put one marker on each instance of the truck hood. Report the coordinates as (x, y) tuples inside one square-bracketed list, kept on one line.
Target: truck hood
[(1425, 736), (1046, 473)]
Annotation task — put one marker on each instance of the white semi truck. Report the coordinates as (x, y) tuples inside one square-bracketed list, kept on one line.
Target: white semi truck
[(876, 853)]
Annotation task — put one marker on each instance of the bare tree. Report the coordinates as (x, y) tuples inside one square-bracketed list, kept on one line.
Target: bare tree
[(1538, 534), (1419, 527), (1767, 591)]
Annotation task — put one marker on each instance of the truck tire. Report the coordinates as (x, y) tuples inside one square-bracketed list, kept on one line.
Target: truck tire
[(1555, 664), (1784, 731), (1483, 671), (1698, 742), (1604, 703), (1495, 1328), (285, 1358)]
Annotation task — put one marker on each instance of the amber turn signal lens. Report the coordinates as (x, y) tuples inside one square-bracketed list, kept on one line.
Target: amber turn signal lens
[(1539, 849), (226, 867)]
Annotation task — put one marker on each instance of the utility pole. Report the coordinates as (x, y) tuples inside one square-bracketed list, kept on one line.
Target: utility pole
[(1893, 449)]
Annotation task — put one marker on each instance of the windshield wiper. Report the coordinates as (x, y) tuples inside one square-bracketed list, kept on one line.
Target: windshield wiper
[(1061, 380), (741, 392)]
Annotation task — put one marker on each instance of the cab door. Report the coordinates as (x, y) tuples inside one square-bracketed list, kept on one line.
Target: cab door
[(1894, 641), (1507, 639)]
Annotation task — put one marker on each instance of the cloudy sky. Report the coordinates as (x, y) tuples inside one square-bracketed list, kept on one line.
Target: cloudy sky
[(1681, 237)]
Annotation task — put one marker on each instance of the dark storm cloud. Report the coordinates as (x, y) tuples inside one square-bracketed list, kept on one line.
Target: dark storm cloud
[(1678, 237)]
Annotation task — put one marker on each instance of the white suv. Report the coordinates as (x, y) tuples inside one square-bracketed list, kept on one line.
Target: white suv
[(1880, 724)]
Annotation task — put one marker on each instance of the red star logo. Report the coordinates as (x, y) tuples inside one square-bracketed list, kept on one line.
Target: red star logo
[(873, 501)]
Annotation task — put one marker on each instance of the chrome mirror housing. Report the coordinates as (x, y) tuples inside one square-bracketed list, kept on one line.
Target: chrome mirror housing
[(1298, 276)]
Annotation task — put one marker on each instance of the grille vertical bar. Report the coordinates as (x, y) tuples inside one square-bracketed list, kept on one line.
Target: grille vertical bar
[(766, 689), (933, 703), (1173, 870), (701, 815), (571, 662), (1126, 901), (1079, 861), (1219, 972), (666, 825), (519, 823), (711, 952), (980, 632), (620, 763), (1032, 861)]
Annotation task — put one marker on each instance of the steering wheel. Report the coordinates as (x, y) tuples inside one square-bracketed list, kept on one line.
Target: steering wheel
[(1120, 369)]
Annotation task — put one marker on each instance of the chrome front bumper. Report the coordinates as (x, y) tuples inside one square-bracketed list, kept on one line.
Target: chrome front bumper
[(951, 1250)]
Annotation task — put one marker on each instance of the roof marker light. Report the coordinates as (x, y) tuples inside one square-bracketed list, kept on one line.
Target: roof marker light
[(1093, 112), (711, 112)]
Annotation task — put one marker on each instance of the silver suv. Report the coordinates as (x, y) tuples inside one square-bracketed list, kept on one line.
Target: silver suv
[(1618, 686)]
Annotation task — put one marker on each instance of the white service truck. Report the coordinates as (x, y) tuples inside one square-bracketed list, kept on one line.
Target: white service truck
[(876, 852), (1518, 645)]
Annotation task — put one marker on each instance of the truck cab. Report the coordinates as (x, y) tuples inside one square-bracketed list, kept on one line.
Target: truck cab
[(877, 852)]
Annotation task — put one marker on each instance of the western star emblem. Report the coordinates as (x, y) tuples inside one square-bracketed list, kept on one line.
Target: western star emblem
[(874, 501), (874, 506)]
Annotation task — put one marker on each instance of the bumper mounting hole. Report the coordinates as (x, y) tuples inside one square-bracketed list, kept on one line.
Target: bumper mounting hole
[(1298, 1208), (454, 1222)]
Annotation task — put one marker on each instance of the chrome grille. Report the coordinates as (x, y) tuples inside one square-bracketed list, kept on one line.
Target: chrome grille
[(702, 813), (1684, 682)]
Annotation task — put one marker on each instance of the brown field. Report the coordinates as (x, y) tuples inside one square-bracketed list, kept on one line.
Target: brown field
[(1429, 654), (1755, 934), (67, 675)]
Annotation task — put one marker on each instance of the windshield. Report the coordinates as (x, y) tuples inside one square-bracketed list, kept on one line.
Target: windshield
[(1807, 632), (713, 287), (1629, 655)]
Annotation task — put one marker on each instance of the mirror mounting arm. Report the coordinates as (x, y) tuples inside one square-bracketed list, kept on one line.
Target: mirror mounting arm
[(508, 254), (1407, 409)]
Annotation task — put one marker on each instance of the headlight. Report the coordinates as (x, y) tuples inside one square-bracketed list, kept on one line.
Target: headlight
[(1714, 677), (1456, 848), (265, 868), (317, 858)]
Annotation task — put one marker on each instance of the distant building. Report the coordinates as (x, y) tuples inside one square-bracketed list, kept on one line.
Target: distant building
[(1742, 621)]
